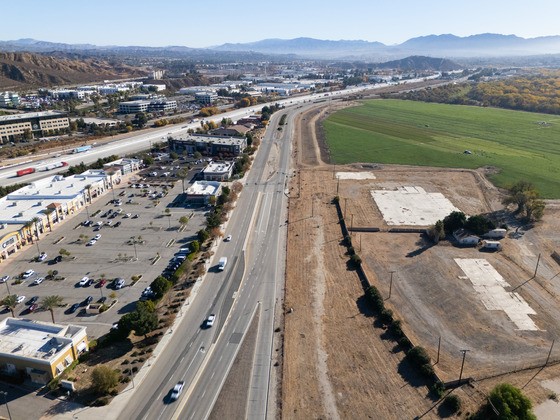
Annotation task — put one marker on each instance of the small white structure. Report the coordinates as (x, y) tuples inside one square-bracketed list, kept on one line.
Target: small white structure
[(491, 245), (465, 238), (496, 234)]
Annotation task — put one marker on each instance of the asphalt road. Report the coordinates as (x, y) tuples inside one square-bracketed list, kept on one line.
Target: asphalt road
[(143, 140)]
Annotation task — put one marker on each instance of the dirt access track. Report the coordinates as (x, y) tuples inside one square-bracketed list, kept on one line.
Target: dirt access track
[(338, 363)]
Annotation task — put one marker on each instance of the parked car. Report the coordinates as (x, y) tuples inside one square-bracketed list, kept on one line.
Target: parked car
[(97, 237), (28, 274), (117, 224), (177, 390), (57, 259), (84, 281), (91, 243), (73, 308), (33, 300), (101, 283), (4, 279), (134, 217), (33, 307), (102, 299), (87, 223), (228, 238), (108, 223), (39, 280), (20, 299), (126, 216), (87, 300), (119, 283), (42, 257)]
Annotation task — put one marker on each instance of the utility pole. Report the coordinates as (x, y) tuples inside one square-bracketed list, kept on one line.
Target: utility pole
[(312, 208), (351, 222), (345, 200), (462, 365), (438, 349), (549, 353), (337, 184), (537, 267)]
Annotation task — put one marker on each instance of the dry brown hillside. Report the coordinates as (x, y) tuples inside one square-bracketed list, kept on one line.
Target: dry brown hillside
[(27, 70)]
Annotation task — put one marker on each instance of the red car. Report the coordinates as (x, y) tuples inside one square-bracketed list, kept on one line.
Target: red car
[(101, 283), (33, 308)]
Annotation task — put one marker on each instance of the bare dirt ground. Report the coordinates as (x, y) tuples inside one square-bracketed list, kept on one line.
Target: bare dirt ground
[(337, 363)]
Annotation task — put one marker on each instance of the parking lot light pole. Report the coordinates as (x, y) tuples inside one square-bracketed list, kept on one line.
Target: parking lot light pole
[(134, 243), (5, 394), (462, 365), (7, 287)]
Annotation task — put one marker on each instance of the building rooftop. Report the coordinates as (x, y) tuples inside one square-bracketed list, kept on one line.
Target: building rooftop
[(218, 167), (227, 140), (34, 339), (31, 115), (203, 188), (28, 202)]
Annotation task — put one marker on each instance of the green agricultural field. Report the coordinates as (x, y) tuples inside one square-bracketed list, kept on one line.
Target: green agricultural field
[(522, 145)]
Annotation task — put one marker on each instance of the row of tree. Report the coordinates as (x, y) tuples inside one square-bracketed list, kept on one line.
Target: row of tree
[(534, 94)]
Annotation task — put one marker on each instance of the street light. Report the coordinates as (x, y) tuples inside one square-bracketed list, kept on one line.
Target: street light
[(134, 243), (7, 287), (462, 365), (5, 394)]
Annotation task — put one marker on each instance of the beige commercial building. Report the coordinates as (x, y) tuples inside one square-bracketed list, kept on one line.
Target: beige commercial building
[(39, 351), (32, 125)]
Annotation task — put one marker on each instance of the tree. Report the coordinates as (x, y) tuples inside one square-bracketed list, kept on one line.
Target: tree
[(10, 302), (141, 119), (51, 302), (479, 224), (182, 174), (202, 235), (510, 402), (194, 246), (146, 319), (160, 286), (526, 197), (455, 220), (436, 232), (103, 379), (183, 220)]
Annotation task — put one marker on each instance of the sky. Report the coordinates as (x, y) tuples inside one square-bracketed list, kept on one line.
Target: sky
[(206, 23)]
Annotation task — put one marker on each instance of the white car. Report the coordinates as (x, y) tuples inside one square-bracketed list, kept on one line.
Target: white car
[(28, 274), (39, 280), (97, 237), (91, 243), (4, 279), (210, 320), (20, 299), (42, 256), (177, 389), (127, 215), (84, 281), (228, 238)]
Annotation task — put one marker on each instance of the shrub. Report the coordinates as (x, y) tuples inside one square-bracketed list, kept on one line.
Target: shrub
[(104, 379), (356, 259), (438, 388), (452, 402), (418, 356)]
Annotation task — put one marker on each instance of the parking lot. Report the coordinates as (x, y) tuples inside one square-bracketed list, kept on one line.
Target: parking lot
[(142, 231)]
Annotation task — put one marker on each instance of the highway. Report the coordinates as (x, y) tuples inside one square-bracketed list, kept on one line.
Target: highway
[(251, 283), (203, 357), (143, 139)]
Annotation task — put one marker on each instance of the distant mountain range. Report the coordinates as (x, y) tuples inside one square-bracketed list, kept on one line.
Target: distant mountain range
[(483, 45)]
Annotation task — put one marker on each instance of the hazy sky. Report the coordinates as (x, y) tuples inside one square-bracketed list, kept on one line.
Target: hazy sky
[(200, 23)]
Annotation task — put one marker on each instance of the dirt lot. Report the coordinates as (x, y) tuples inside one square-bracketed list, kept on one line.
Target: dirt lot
[(337, 363)]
